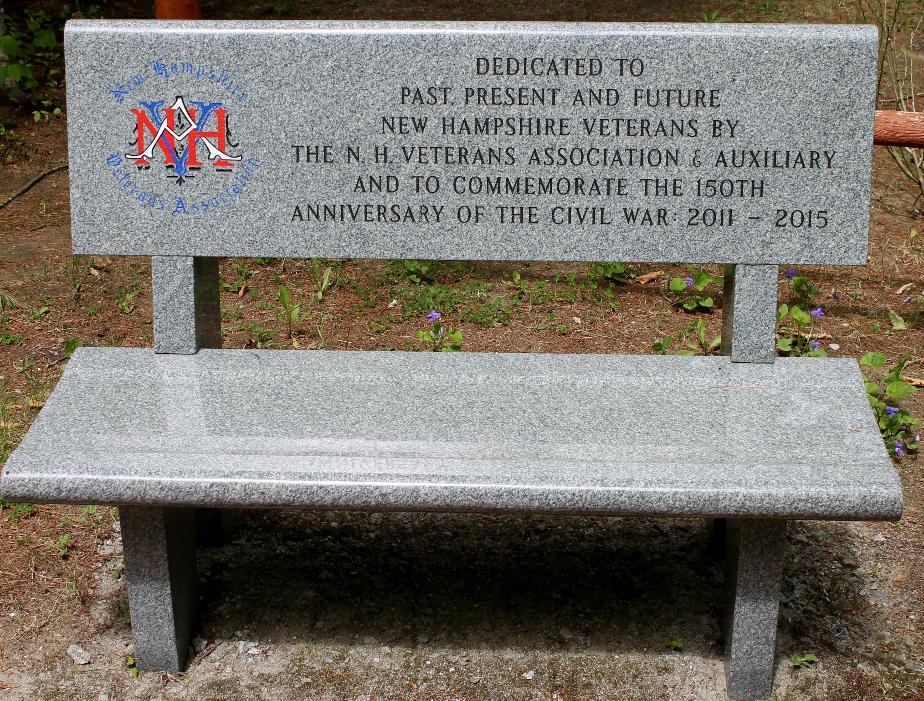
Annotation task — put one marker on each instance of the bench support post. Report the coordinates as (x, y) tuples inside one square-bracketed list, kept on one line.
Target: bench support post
[(187, 314), (754, 567), (160, 565), (749, 313)]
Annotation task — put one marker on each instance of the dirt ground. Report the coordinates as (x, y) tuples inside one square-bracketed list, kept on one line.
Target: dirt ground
[(369, 607)]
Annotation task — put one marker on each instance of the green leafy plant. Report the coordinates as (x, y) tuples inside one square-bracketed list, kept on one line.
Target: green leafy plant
[(70, 345), (11, 339), (661, 347), (885, 390), (603, 274), (536, 294), (259, 336), (63, 543), (440, 338), (12, 146), (291, 311), (321, 274), (806, 659), (794, 337), (33, 56), (801, 290), (675, 644), (241, 275), (714, 17), (125, 300), (17, 512), (419, 272), (697, 343), (691, 292)]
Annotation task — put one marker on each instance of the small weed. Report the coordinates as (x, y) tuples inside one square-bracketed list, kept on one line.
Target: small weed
[(368, 301), (11, 339), (63, 543), (690, 292), (806, 659), (116, 568), (419, 272), (17, 512), (440, 338), (417, 301), (801, 290), (70, 345), (714, 17), (321, 274), (41, 311), (796, 339), (885, 390), (258, 336), (536, 294), (661, 347), (241, 275), (8, 302), (497, 312), (12, 146), (75, 271), (675, 644), (125, 300), (290, 313), (699, 343), (605, 274), (132, 666)]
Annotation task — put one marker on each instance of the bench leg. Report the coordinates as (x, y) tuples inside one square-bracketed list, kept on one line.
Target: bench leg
[(160, 564), (754, 566)]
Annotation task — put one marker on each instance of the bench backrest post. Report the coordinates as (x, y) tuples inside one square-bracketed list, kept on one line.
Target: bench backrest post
[(187, 315), (749, 313)]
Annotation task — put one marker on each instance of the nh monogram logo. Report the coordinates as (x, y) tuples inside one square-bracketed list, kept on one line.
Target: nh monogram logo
[(173, 126)]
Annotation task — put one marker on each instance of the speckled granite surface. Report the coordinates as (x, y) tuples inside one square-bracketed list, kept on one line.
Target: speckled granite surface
[(470, 431), (287, 86)]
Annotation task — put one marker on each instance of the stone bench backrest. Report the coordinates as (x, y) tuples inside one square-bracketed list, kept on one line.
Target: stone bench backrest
[(745, 145)]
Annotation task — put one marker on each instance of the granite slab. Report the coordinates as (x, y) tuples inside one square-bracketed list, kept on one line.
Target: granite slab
[(712, 143), (491, 432)]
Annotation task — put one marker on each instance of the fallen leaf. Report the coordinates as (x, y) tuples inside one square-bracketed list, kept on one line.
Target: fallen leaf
[(914, 381), (904, 288), (897, 322)]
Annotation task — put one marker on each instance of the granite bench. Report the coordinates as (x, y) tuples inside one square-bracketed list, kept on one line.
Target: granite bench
[(189, 142)]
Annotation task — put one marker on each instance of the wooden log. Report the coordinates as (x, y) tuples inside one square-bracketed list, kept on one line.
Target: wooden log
[(177, 9), (893, 128)]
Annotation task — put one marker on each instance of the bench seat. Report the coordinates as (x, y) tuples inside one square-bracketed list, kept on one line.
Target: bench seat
[(485, 432)]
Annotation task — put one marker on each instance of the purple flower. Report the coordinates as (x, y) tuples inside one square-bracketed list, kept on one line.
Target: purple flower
[(892, 411), (434, 316), (815, 345), (817, 312), (899, 449), (917, 437), (790, 273), (688, 281), (907, 299)]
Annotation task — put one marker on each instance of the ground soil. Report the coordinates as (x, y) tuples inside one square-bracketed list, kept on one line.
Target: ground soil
[(397, 606)]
